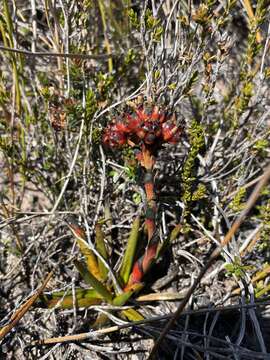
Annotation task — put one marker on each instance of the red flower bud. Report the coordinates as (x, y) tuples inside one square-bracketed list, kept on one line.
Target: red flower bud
[(175, 137), (149, 132), (113, 137), (142, 115), (119, 126), (171, 133)]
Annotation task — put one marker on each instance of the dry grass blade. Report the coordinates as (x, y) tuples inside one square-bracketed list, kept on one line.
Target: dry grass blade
[(24, 308), (214, 255), (165, 296), (77, 337), (104, 24)]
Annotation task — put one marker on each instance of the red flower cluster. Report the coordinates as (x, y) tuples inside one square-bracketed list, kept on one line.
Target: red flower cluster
[(148, 126)]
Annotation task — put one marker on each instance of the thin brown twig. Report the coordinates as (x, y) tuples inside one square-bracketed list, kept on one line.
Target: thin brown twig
[(24, 308), (214, 255)]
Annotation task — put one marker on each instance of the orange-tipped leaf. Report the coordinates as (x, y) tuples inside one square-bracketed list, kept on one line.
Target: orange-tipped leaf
[(93, 281)]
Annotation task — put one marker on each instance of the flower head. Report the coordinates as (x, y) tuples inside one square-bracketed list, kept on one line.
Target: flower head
[(147, 126)]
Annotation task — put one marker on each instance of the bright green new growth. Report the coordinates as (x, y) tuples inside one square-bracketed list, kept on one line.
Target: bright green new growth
[(238, 202), (196, 139), (236, 268)]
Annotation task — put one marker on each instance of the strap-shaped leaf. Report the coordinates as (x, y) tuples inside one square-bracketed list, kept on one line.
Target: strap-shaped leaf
[(173, 235), (79, 293), (68, 302), (83, 298), (101, 248), (90, 257), (132, 315), (93, 281), (123, 298), (130, 251)]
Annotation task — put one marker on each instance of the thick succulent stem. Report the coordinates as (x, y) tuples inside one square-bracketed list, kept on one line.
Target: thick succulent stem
[(151, 208), (148, 162), (143, 264)]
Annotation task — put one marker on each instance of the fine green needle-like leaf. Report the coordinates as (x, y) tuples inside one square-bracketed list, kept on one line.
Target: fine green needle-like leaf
[(130, 251), (93, 281)]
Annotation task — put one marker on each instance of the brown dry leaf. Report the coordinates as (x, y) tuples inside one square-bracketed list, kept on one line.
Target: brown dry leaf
[(165, 296)]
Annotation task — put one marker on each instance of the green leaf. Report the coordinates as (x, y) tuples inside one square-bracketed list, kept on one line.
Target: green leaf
[(90, 258), (130, 251), (79, 293), (123, 298), (101, 248), (68, 302), (173, 235), (132, 315), (93, 281), (263, 291), (83, 298)]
